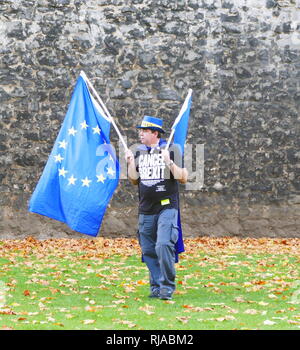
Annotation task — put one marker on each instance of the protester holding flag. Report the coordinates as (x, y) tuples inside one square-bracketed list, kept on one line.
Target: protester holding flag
[(82, 173), (157, 171)]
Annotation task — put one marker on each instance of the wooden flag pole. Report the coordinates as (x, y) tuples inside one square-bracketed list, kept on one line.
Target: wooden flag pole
[(83, 75)]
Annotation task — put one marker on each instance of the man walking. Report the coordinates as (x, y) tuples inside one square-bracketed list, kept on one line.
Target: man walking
[(157, 172)]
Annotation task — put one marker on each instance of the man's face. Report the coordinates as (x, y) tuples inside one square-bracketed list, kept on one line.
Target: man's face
[(147, 137)]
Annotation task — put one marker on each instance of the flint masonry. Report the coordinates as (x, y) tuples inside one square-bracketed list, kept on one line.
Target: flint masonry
[(240, 57)]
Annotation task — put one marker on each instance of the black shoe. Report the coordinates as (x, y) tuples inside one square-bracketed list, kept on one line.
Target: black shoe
[(154, 293), (165, 294)]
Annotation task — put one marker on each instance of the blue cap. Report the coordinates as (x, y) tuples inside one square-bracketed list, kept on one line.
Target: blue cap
[(151, 123)]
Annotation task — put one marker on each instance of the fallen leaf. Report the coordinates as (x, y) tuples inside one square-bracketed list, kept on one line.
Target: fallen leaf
[(269, 323), (251, 312), (7, 311), (88, 321), (142, 282), (225, 318), (54, 290), (147, 308), (183, 319), (210, 284), (200, 309), (240, 300), (6, 328), (272, 296), (293, 322), (128, 323)]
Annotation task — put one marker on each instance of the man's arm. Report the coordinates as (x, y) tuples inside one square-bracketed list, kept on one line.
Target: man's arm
[(180, 174), (133, 175)]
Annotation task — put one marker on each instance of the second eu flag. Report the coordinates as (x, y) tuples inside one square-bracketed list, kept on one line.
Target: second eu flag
[(82, 171), (181, 122)]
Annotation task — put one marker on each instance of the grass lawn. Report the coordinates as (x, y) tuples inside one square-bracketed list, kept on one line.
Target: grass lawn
[(222, 284)]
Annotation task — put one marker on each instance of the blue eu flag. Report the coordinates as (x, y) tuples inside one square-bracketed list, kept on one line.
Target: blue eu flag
[(82, 171), (180, 128), (181, 123)]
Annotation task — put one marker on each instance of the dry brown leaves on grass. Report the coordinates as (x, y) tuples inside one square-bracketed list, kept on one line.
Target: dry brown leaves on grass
[(60, 246), (220, 281), (105, 247), (247, 245)]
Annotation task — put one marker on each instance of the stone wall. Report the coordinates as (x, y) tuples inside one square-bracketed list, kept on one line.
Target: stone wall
[(240, 57)]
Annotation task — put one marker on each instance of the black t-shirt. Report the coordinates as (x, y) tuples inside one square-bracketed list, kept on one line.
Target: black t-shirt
[(158, 189)]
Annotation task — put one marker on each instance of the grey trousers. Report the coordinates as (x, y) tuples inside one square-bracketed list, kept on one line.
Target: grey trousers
[(158, 235)]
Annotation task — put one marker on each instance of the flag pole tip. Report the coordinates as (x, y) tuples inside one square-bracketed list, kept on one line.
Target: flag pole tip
[(82, 74)]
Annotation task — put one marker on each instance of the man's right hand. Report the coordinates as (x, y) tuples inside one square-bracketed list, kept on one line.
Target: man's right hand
[(133, 175), (129, 156)]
